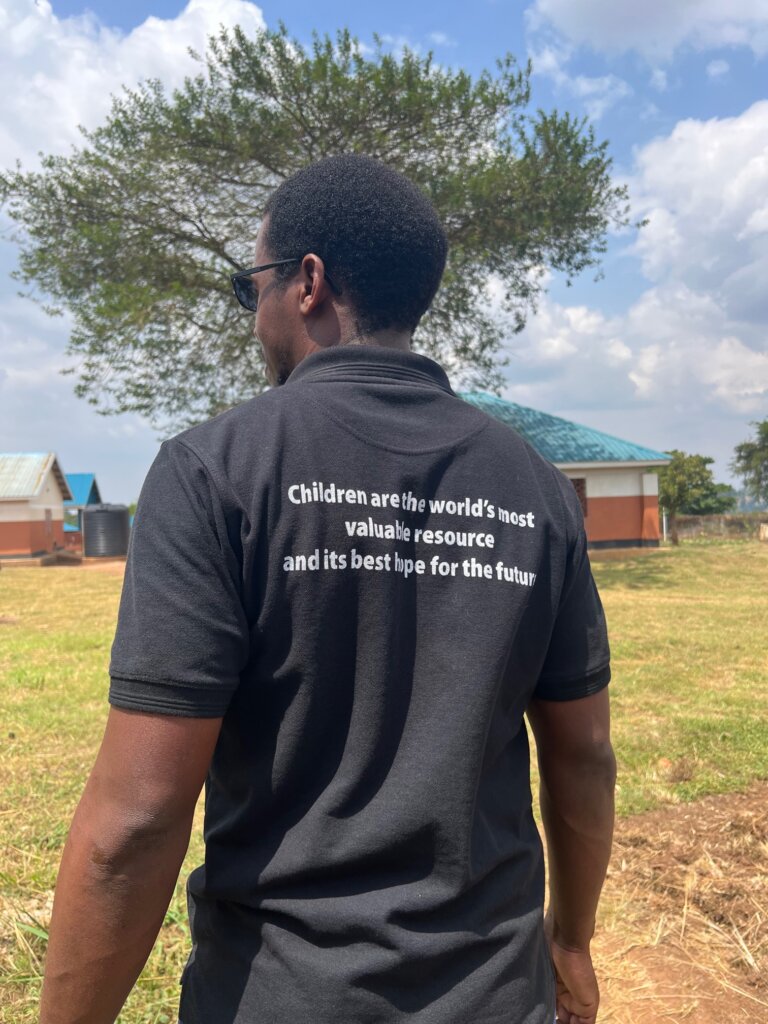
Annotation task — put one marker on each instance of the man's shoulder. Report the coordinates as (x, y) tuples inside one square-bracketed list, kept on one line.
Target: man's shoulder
[(240, 446), (255, 414)]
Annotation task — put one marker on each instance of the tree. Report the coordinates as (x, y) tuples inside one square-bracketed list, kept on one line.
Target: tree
[(714, 501), (687, 487), (751, 463), (135, 233)]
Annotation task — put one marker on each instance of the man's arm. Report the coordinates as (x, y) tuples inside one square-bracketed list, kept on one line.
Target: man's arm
[(577, 769), (121, 861)]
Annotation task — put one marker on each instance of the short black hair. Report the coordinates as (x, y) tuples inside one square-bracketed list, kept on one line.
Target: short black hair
[(377, 233)]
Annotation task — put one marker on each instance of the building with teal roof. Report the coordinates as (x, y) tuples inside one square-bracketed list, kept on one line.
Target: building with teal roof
[(616, 480)]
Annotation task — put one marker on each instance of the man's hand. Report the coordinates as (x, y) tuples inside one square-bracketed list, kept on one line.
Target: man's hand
[(577, 773), (578, 996)]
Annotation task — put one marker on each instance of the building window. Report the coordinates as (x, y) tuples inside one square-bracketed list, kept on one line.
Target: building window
[(580, 486)]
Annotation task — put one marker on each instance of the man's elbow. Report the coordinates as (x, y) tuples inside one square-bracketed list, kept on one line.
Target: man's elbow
[(113, 840), (580, 770), (600, 761)]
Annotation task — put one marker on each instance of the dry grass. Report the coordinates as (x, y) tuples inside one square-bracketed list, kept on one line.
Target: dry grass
[(683, 933)]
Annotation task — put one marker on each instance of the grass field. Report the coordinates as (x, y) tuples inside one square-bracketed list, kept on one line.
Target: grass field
[(690, 714)]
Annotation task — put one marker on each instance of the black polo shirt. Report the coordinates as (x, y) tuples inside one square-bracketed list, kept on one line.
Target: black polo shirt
[(368, 579)]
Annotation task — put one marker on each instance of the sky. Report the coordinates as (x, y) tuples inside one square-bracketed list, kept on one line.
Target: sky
[(669, 349)]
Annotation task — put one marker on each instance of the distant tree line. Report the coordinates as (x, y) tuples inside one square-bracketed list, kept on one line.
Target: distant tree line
[(687, 486)]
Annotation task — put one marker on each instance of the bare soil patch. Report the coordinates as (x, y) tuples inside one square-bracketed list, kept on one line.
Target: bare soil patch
[(110, 566), (685, 929)]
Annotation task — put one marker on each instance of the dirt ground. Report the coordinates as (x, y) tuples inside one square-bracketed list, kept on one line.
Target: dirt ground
[(684, 935)]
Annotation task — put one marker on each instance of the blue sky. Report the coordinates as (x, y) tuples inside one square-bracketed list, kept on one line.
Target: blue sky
[(669, 349)]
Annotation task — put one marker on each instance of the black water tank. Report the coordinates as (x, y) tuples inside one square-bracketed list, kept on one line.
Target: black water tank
[(105, 531)]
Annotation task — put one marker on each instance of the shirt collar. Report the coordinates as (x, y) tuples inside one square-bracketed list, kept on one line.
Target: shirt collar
[(371, 363)]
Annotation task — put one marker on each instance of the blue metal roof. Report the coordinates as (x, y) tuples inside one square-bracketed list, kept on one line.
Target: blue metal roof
[(561, 441), (85, 490)]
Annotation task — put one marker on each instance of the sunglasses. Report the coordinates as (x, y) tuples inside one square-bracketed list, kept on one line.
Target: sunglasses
[(245, 290)]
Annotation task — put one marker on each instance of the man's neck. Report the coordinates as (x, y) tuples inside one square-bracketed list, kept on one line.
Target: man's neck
[(398, 340)]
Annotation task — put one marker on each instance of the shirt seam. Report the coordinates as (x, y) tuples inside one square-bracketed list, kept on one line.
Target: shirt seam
[(587, 689), (177, 708), (337, 373), (204, 464), (392, 448), (361, 358), (582, 677), (129, 677)]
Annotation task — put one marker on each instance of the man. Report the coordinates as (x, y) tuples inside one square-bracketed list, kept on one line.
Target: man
[(341, 598)]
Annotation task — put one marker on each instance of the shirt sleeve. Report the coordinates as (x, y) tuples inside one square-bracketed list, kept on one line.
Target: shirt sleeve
[(182, 636), (577, 663)]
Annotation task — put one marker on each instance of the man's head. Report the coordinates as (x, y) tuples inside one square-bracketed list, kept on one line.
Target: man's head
[(377, 234), (359, 224)]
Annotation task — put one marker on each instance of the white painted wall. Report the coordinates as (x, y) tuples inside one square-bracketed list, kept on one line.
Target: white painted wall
[(16, 512), (614, 483), (651, 484), (619, 483)]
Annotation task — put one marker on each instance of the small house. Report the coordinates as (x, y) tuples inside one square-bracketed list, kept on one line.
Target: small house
[(33, 490)]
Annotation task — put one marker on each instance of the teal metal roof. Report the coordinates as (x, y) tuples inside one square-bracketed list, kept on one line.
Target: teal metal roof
[(22, 474), (85, 490), (561, 441)]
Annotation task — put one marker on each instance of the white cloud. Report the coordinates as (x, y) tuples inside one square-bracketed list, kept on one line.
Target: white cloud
[(659, 80), (400, 43), (597, 93), (685, 353), (666, 373), (650, 112), (717, 69), (703, 189), (441, 39), (686, 365), (738, 374), (56, 73), (698, 336), (657, 28)]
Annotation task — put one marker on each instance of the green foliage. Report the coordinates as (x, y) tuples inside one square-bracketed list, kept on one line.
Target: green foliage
[(687, 487), (751, 463), (713, 501), (134, 234)]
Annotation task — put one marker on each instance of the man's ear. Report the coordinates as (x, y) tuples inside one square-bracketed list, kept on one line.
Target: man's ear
[(315, 286)]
